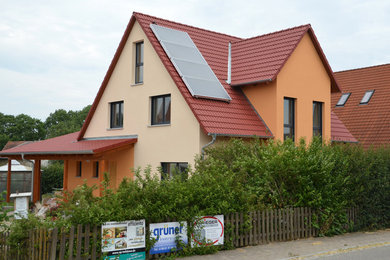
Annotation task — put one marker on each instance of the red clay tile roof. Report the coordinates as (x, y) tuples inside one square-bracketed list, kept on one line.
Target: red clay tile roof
[(236, 118), (11, 144), (339, 133), (261, 58), (67, 144), (369, 123)]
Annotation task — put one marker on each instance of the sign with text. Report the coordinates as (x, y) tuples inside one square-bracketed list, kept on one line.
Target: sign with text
[(124, 240), (166, 235), (208, 230)]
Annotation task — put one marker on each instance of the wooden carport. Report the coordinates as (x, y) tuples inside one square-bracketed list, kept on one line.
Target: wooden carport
[(64, 148)]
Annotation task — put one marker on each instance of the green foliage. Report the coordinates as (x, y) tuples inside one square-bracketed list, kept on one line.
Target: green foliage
[(240, 176), (25, 128), (3, 212), (52, 177), (63, 122), (20, 128)]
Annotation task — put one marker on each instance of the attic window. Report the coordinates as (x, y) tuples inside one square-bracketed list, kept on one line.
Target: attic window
[(367, 96), (343, 99)]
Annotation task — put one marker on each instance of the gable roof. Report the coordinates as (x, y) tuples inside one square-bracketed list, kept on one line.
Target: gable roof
[(66, 145), (369, 123), (237, 118), (261, 58)]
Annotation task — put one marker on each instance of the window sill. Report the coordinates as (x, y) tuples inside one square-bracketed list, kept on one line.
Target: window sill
[(136, 84), (159, 125), (113, 129)]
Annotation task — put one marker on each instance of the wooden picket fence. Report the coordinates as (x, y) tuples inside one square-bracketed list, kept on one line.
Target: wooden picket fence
[(81, 242), (267, 226)]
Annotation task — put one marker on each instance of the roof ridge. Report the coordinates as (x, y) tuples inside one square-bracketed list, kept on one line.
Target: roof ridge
[(191, 26), (361, 68), (275, 32)]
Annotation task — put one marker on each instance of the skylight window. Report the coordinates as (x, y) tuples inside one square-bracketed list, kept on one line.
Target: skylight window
[(367, 96), (343, 99)]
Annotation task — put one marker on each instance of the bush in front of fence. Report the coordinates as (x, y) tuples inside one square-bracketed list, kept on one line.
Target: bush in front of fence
[(243, 176)]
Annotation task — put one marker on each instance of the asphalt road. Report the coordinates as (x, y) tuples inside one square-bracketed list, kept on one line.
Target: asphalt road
[(359, 246), (375, 253)]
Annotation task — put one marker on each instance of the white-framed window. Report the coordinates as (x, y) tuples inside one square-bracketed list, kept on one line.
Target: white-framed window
[(343, 99), (367, 96)]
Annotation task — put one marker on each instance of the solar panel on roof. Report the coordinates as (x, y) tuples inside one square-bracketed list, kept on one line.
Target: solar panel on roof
[(190, 64)]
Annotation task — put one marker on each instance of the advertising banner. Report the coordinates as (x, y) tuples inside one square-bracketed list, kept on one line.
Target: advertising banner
[(208, 230), (166, 235), (124, 240)]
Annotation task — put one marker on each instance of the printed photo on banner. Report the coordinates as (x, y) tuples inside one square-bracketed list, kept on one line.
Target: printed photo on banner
[(124, 240), (208, 230), (166, 235)]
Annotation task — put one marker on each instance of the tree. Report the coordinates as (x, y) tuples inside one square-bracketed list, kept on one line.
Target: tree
[(63, 122), (20, 128)]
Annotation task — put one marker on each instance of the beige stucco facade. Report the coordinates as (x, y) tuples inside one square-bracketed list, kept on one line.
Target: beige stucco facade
[(303, 78), (179, 141)]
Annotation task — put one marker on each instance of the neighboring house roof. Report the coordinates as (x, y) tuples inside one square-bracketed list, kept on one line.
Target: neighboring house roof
[(15, 167), (261, 58), (339, 133), (369, 123), (11, 144), (68, 144)]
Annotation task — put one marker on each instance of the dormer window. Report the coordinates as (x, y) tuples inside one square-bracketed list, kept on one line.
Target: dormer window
[(343, 99), (367, 96)]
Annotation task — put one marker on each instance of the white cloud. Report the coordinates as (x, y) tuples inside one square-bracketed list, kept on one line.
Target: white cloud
[(54, 54)]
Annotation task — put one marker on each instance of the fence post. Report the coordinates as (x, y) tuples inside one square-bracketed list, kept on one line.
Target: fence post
[(53, 250)]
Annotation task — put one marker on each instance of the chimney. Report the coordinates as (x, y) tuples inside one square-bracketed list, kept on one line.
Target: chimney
[(229, 72)]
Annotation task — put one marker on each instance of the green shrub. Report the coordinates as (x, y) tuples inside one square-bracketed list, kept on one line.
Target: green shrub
[(52, 177)]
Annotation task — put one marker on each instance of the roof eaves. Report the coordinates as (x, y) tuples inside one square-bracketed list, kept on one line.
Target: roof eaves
[(113, 146), (335, 86), (246, 136), (252, 82), (48, 152), (250, 103)]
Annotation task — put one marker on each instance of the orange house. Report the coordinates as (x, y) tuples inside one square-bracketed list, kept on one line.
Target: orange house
[(172, 90)]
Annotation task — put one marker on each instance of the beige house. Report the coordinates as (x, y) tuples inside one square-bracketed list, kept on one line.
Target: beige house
[(172, 90)]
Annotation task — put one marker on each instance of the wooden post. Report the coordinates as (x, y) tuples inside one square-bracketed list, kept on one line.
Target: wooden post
[(9, 180), (37, 181), (66, 170), (103, 164)]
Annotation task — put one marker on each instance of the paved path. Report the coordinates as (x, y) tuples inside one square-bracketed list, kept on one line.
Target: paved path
[(312, 248)]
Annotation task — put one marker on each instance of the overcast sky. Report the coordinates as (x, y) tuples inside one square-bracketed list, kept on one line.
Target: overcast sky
[(54, 54)]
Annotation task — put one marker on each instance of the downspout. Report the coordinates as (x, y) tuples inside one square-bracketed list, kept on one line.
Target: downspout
[(229, 72), (32, 175), (214, 136)]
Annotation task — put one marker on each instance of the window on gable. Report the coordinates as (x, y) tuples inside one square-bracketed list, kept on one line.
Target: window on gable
[(161, 110), (116, 114), (317, 119), (343, 99), (139, 62), (79, 166), (289, 119), (172, 169), (367, 96)]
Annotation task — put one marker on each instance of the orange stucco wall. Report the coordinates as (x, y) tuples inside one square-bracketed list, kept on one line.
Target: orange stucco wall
[(303, 78), (119, 164)]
